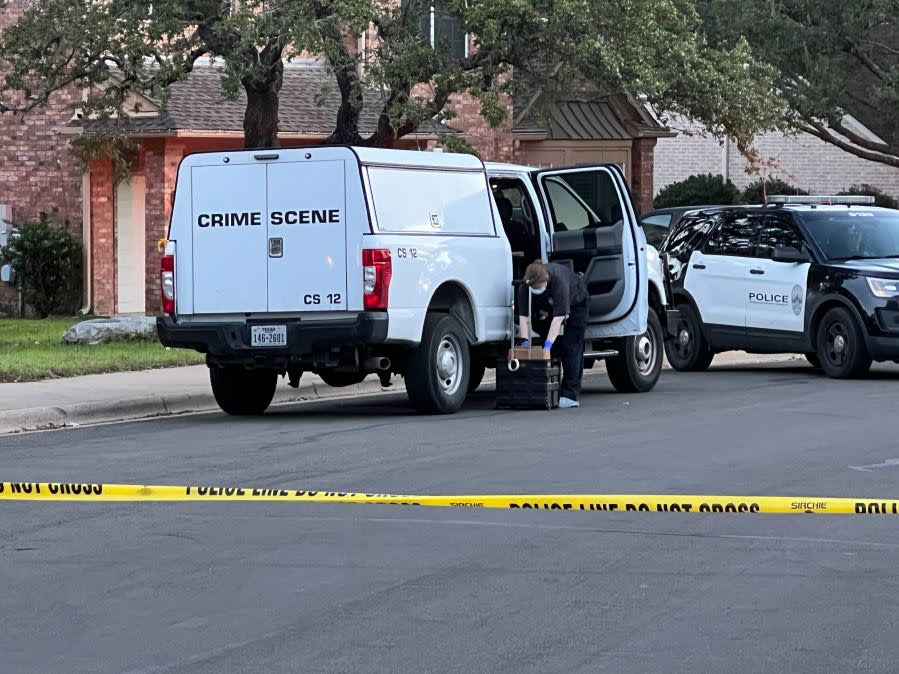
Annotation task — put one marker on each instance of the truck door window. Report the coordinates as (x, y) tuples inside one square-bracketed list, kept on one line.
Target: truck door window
[(583, 199), (517, 215)]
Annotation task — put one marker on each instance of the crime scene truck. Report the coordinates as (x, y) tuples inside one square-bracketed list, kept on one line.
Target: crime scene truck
[(816, 275), (347, 262)]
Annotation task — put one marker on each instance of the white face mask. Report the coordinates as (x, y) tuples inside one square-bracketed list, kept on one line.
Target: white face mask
[(538, 291)]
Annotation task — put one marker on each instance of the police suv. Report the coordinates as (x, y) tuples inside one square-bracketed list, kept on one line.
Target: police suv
[(812, 275), (347, 262)]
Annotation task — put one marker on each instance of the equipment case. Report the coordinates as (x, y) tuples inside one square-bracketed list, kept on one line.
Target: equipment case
[(525, 379)]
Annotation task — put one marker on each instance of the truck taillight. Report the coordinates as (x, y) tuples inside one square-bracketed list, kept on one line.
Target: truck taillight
[(377, 270), (167, 283)]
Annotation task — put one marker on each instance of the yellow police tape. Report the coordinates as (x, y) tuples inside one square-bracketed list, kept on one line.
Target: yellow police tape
[(665, 503)]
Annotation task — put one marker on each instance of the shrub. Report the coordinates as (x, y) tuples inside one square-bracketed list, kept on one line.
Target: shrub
[(47, 260), (698, 190), (880, 199), (755, 192)]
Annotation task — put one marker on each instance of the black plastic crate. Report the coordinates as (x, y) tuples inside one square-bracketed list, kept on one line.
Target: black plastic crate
[(534, 385)]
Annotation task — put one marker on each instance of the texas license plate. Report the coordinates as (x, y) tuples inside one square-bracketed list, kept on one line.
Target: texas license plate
[(268, 335)]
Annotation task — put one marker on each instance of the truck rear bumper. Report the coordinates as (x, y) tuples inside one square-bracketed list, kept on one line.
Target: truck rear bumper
[(229, 343)]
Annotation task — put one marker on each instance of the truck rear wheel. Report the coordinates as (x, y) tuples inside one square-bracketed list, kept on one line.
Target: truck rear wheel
[(241, 392), (476, 374), (439, 368), (636, 369)]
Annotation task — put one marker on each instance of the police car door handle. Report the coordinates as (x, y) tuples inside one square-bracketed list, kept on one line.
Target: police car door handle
[(698, 266), (756, 271)]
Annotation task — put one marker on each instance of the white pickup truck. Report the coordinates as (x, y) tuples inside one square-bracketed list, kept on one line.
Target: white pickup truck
[(347, 262)]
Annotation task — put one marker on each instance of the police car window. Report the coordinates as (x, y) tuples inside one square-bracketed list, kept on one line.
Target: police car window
[(688, 233), (583, 199), (736, 236), (777, 231), (854, 233), (656, 227)]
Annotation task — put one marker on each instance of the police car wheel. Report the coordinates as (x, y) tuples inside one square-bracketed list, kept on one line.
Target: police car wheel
[(439, 369), (688, 351), (841, 346), (636, 368), (341, 379), (241, 392)]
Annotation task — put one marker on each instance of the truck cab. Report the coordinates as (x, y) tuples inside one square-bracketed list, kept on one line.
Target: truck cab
[(348, 262)]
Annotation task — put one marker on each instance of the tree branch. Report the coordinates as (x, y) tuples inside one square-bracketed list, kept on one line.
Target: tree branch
[(863, 142), (820, 131), (867, 61)]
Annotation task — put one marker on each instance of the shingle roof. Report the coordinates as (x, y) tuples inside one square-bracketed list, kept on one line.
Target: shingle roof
[(308, 105)]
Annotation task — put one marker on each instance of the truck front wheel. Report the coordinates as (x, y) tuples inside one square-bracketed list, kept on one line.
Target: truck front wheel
[(439, 369), (636, 368), (241, 392)]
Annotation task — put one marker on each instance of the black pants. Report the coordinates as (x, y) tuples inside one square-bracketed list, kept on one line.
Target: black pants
[(569, 348)]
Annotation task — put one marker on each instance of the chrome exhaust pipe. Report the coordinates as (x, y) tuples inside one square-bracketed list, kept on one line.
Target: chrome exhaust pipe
[(376, 364)]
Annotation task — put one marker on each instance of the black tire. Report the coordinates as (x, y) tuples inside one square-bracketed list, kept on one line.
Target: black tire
[(814, 360), (241, 392), (439, 368), (476, 375), (341, 379), (636, 369), (688, 351), (841, 345)]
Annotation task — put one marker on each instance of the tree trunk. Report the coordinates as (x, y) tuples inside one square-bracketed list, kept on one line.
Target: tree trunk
[(260, 123), (346, 130)]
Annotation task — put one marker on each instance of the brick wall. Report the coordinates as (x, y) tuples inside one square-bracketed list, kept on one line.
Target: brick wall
[(103, 244), (641, 174), (37, 171), (161, 159), (492, 144), (804, 161)]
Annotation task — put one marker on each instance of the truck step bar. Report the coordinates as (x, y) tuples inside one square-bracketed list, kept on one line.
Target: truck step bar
[(600, 354)]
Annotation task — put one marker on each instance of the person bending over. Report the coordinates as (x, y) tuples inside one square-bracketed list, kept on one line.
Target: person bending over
[(557, 295)]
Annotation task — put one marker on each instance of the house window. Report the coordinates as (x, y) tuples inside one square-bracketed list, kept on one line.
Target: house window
[(439, 28)]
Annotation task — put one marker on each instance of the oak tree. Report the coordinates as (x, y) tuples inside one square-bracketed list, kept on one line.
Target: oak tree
[(532, 50)]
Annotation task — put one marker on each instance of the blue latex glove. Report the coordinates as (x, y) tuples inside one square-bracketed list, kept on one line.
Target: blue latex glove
[(526, 343), (547, 345)]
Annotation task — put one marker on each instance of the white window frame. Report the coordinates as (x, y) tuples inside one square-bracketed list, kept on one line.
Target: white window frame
[(433, 26)]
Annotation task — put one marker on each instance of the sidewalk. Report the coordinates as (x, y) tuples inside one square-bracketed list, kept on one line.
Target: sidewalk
[(98, 398)]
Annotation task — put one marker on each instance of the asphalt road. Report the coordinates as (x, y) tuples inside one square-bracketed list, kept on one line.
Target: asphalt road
[(227, 587)]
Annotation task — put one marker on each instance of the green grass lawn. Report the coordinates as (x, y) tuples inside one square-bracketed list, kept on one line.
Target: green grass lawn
[(31, 350)]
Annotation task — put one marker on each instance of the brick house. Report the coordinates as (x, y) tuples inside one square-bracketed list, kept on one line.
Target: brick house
[(801, 160), (122, 223)]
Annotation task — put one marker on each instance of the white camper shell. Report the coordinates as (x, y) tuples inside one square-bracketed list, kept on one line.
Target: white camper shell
[(351, 261)]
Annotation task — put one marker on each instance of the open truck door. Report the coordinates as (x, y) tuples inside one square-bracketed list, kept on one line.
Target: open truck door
[(592, 231)]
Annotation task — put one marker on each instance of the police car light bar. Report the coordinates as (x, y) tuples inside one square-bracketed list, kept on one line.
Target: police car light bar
[(845, 199)]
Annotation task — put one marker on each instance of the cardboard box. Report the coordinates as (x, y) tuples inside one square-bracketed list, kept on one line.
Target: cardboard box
[(536, 353)]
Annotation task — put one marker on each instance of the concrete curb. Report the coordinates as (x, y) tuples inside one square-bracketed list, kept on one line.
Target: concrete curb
[(311, 388), (105, 411)]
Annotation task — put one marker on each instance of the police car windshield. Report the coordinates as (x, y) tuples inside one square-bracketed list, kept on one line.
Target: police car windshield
[(854, 234)]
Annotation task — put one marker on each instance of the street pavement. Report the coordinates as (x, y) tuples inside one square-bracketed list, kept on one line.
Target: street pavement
[(261, 587), (122, 396)]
